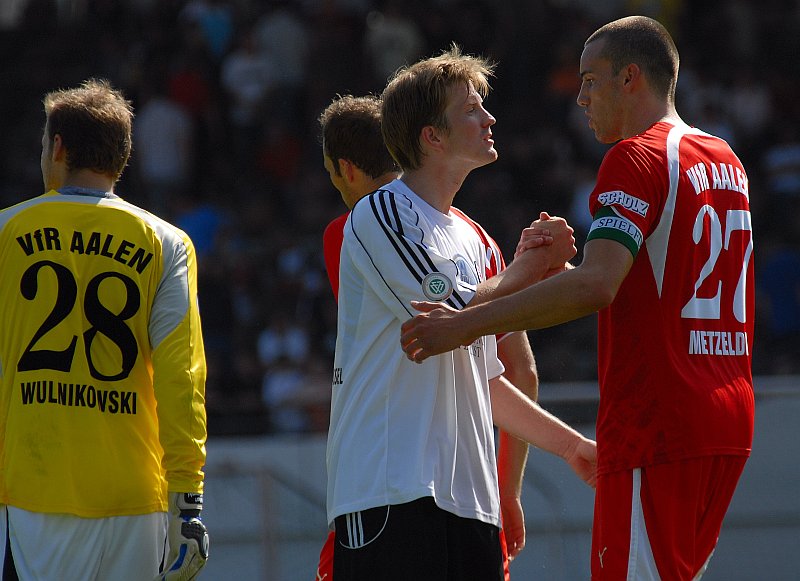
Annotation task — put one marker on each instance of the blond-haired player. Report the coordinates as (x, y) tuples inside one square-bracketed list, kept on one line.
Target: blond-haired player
[(412, 477), (359, 163)]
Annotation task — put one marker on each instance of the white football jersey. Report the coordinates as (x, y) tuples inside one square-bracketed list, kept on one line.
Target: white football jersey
[(401, 430)]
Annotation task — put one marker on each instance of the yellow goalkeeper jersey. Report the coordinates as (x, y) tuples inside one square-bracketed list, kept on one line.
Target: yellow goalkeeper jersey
[(102, 368)]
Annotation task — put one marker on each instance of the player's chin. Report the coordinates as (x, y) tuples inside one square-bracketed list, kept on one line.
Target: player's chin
[(490, 157)]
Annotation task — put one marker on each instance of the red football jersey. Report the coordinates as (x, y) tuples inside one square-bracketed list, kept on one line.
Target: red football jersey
[(494, 258), (675, 345), (332, 249)]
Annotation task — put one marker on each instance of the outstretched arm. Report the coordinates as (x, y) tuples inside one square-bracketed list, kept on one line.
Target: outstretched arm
[(567, 296), (517, 414)]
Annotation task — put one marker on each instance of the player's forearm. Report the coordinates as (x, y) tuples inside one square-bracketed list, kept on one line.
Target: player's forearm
[(562, 298), (514, 278), (525, 419), (514, 351), (511, 459)]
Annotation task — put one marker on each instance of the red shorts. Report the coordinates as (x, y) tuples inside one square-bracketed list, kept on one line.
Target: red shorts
[(662, 521), (325, 567)]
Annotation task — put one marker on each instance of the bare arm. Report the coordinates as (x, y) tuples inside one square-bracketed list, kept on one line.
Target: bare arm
[(515, 352), (567, 296), (514, 412), (543, 256)]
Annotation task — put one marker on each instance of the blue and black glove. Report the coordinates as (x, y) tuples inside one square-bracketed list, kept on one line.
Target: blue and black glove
[(188, 538)]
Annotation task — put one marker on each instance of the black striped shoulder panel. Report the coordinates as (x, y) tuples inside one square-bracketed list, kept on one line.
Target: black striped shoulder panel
[(395, 213)]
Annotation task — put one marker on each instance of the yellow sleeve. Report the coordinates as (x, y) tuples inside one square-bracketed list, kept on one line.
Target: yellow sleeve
[(179, 372)]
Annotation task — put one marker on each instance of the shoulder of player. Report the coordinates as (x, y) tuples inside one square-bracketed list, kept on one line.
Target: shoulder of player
[(385, 207), (7, 214), (335, 226), (169, 235), (486, 239), (635, 157)]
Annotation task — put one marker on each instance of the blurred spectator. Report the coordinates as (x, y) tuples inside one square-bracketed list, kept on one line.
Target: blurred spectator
[(750, 103), (563, 80), (779, 292), (579, 216), (163, 142), (297, 396), (247, 77), (781, 162), (283, 339), (282, 38), (11, 12), (279, 151), (283, 381), (392, 39), (294, 387), (189, 82), (202, 219), (215, 19), (713, 120)]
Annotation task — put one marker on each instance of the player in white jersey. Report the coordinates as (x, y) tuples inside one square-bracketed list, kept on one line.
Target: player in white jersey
[(102, 369), (358, 163), (412, 478)]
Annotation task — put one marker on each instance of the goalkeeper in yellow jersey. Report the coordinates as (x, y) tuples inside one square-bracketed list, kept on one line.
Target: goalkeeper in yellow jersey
[(102, 369)]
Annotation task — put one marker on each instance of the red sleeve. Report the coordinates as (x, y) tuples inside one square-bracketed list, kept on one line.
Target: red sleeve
[(332, 248), (495, 263)]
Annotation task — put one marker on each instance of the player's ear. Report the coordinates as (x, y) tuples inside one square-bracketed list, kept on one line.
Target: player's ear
[(57, 150), (347, 169), (429, 137), (631, 75)]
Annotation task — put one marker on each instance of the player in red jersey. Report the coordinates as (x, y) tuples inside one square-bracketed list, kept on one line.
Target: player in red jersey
[(358, 163), (668, 263)]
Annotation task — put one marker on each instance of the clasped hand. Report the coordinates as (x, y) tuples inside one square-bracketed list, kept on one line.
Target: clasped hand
[(440, 328), (558, 244)]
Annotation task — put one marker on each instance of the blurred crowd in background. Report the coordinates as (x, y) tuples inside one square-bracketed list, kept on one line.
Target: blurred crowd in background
[(227, 94)]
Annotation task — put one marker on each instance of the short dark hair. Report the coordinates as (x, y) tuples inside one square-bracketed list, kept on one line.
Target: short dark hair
[(94, 122), (351, 130), (645, 42)]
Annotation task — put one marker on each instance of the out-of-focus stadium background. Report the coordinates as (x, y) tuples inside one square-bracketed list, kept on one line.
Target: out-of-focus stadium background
[(227, 94)]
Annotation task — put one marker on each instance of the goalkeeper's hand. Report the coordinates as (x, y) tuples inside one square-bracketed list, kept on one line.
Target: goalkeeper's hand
[(188, 538)]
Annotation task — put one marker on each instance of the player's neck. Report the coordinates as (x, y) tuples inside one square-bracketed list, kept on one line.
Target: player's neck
[(648, 113), (381, 181), (86, 178), (437, 186)]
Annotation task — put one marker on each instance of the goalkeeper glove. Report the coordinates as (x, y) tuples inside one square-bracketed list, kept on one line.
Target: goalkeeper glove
[(188, 538)]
